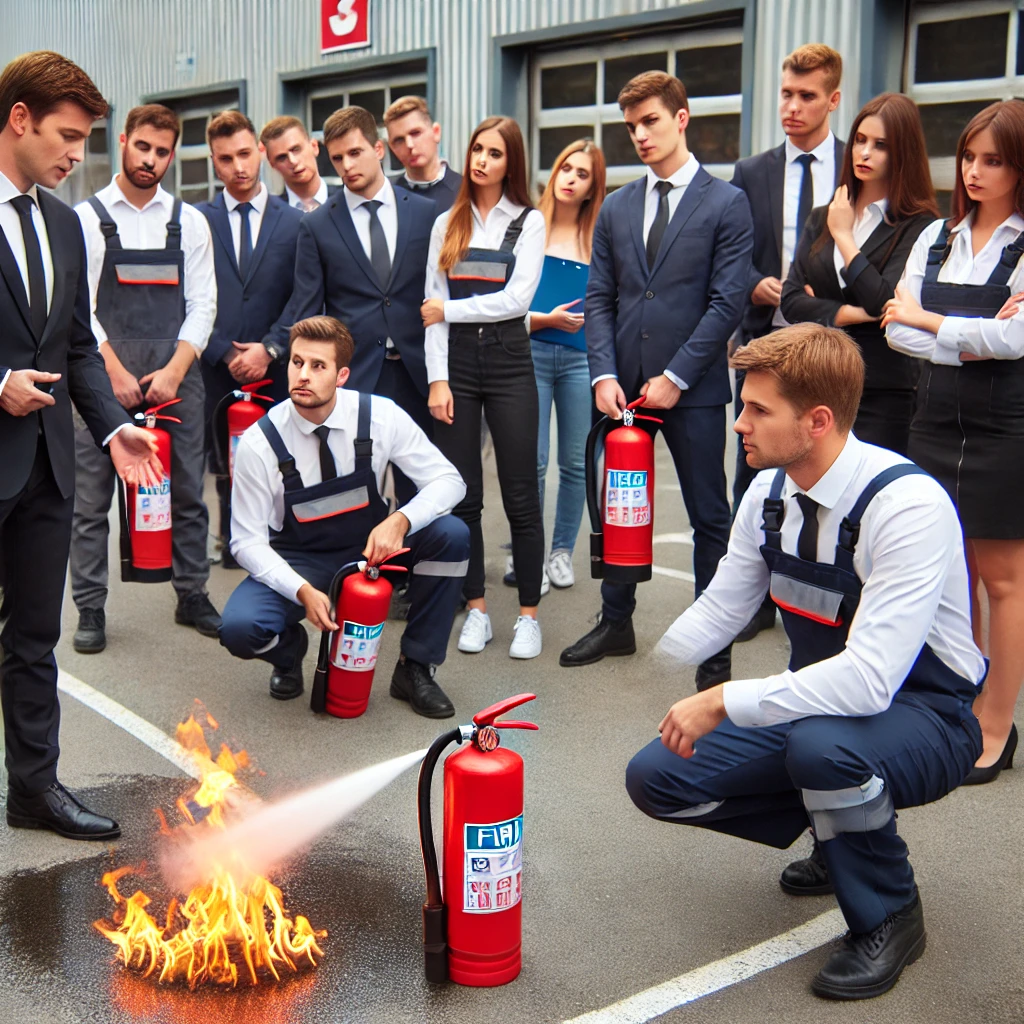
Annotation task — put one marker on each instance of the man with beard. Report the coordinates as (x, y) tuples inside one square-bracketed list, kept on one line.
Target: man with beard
[(306, 501), (154, 298)]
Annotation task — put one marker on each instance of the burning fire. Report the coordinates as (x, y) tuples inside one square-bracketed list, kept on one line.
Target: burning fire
[(234, 923)]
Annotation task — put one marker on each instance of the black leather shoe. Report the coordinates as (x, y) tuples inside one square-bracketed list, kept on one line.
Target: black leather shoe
[(764, 618), (979, 776), (196, 610), (717, 669), (807, 877), (91, 636), (286, 683), (59, 811), (606, 639), (868, 965), (414, 682)]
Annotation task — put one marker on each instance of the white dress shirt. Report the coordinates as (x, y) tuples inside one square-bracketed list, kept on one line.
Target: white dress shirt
[(147, 229), (300, 204), (980, 336), (863, 228), (910, 558), (511, 302), (10, 225), (433, 181), (259, 205), (257, 494), (387, 214), (823, 183)]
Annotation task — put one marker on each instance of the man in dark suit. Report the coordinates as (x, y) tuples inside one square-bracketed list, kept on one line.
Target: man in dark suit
[(240, 350), (48, 360), (415, 139), (783, 185), (362, 259), (293, 154), (668, 279)]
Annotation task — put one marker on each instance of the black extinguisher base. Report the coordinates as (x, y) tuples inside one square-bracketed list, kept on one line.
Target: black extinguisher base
[(435, 943), (626, 573), (132, 574), (597, 556)]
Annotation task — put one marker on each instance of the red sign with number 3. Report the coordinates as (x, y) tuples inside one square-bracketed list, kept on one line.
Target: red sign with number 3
[(344, 25)]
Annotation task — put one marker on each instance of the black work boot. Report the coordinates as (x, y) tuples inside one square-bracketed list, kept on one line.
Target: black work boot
[(764, 618), (414, 682), (868, 965), (807, 877), (91, 636), (607, 639), (286, 683), (196, 610), (716, 669)]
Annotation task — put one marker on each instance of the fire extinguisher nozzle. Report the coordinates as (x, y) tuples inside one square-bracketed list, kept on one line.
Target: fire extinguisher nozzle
[(435, 943)]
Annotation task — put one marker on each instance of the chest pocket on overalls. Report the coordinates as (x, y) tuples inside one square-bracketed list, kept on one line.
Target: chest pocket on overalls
[(143, 273), (331, 505), (818, 603)]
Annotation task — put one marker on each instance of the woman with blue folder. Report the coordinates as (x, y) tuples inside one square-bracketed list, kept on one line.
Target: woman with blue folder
[(570, 204)]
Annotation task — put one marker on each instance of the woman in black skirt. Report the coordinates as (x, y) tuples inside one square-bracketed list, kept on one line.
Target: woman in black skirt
[(957, 308), (852, 253)]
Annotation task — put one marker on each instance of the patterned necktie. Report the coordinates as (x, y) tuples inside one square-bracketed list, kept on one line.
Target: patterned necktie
[(806, 193), (328, 470), (34, 260), (380, 259), (245, 242), (657, 232), (309, 205), (807, 542)]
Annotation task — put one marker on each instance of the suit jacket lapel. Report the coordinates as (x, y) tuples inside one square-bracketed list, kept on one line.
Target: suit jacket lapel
[(12, 275), (691, 200), (222, 228), (879, 237), (404, 217), (776, 191), (59, 277), (271, 215), (838, 164), (343, 222), (636, 218)]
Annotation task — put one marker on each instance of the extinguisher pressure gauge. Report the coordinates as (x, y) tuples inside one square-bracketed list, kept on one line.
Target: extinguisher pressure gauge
[(487, 738)]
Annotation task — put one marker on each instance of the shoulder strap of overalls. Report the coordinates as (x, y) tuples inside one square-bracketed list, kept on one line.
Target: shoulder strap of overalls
[(849, 529), (513, 231), (938, 253), (107, 225), (174, 227), (773, 512), (1007, 261), (364, 442), (285, 461)]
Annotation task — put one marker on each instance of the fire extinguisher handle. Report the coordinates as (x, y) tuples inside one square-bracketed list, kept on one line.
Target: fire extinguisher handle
[(650, 419), (489, 715), (633, 405), (251, 389), (163, 405)]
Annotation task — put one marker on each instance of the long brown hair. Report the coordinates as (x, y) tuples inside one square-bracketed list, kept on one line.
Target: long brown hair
[(591, 206), (909, 190), (460, 221), (1005, 120)]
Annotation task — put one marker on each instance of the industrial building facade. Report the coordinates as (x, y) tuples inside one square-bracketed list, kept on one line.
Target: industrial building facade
[(555, 65)]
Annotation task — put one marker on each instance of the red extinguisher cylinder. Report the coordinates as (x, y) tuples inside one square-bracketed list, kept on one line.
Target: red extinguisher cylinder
[(242, 414)]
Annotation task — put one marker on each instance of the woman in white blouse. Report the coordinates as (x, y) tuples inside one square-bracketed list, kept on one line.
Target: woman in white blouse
[(485, 261), (957, 308)]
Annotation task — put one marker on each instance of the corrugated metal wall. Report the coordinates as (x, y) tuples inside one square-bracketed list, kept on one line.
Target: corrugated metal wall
[(130, 47)]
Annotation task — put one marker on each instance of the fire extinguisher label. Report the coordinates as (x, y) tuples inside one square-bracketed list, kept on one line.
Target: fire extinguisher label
[(494, 866), (153, 507), (357, 647), (625, 498), (232, 448)]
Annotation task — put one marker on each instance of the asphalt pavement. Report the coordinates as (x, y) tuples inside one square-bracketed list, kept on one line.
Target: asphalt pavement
[(614, 903)]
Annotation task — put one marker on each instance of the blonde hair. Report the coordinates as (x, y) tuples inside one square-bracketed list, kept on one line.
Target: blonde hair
[(328, 330), (813, 57), (277, 126), (407, 105), (591, 205)]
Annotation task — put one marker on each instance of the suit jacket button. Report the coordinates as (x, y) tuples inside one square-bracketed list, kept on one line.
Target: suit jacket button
[(649, 295), (645, 335), (387, 301), (379, 342)]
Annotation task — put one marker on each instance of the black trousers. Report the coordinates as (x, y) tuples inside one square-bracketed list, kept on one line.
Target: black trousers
[(35, 538), (395, 383), (490, 371)]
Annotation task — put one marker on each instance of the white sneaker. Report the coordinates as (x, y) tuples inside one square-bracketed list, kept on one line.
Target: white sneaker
[(560, 568), (526, 642), (476, 632), (509, 579)]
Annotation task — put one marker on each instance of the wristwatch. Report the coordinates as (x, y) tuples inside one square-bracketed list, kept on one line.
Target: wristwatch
[(273, 351)]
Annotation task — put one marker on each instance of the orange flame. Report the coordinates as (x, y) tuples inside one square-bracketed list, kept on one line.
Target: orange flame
[(234, 924)]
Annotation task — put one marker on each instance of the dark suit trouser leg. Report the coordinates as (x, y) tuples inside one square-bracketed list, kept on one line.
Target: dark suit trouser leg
[(696, 440), (35, 535), (94, 489), (395, 383), (217, 383)]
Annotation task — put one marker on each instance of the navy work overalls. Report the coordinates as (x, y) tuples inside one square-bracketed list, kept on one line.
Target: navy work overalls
[(325, 526), (968, 428), (848, 775), (140, 303), (490, 370)]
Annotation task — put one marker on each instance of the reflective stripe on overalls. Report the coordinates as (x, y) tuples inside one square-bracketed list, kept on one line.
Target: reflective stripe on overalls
[(486, 271)]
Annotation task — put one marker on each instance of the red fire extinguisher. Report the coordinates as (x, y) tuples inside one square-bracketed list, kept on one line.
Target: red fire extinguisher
[(361, 598), (146, 512), (472, 933), (230, 422), (621, 544)]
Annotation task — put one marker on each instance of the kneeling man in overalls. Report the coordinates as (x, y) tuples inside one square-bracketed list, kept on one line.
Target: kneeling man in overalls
[(306, 500), (863, 554)]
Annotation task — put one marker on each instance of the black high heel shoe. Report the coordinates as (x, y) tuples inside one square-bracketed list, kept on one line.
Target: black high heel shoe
[(979, 776)]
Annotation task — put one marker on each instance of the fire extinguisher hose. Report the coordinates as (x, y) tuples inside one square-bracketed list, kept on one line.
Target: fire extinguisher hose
[(318, 695), (594, 438)]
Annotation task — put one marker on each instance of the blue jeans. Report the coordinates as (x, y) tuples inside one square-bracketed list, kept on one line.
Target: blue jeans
[(563, 375)]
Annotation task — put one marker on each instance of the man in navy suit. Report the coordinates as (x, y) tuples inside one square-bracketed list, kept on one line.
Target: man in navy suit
[(668, 279), (254, 237), (783, 185), (293, 154), (362, 258)]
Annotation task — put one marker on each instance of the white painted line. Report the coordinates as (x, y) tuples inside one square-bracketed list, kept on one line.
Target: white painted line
[(674, 538), (687, 988), (675, 574)]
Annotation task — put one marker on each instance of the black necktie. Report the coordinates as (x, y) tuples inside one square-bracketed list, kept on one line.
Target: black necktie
[(807, 542), (803, 208), (657, 232), (245, 241), (328, 471), (380, 259), (34, 260)]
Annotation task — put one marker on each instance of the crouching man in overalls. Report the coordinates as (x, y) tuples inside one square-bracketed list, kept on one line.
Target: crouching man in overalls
[(862, 552), (306, 501)]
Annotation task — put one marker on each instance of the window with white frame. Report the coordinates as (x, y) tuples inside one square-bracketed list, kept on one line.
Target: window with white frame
[(373, 94), (95, 170), (574, 94), (960, 58)]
